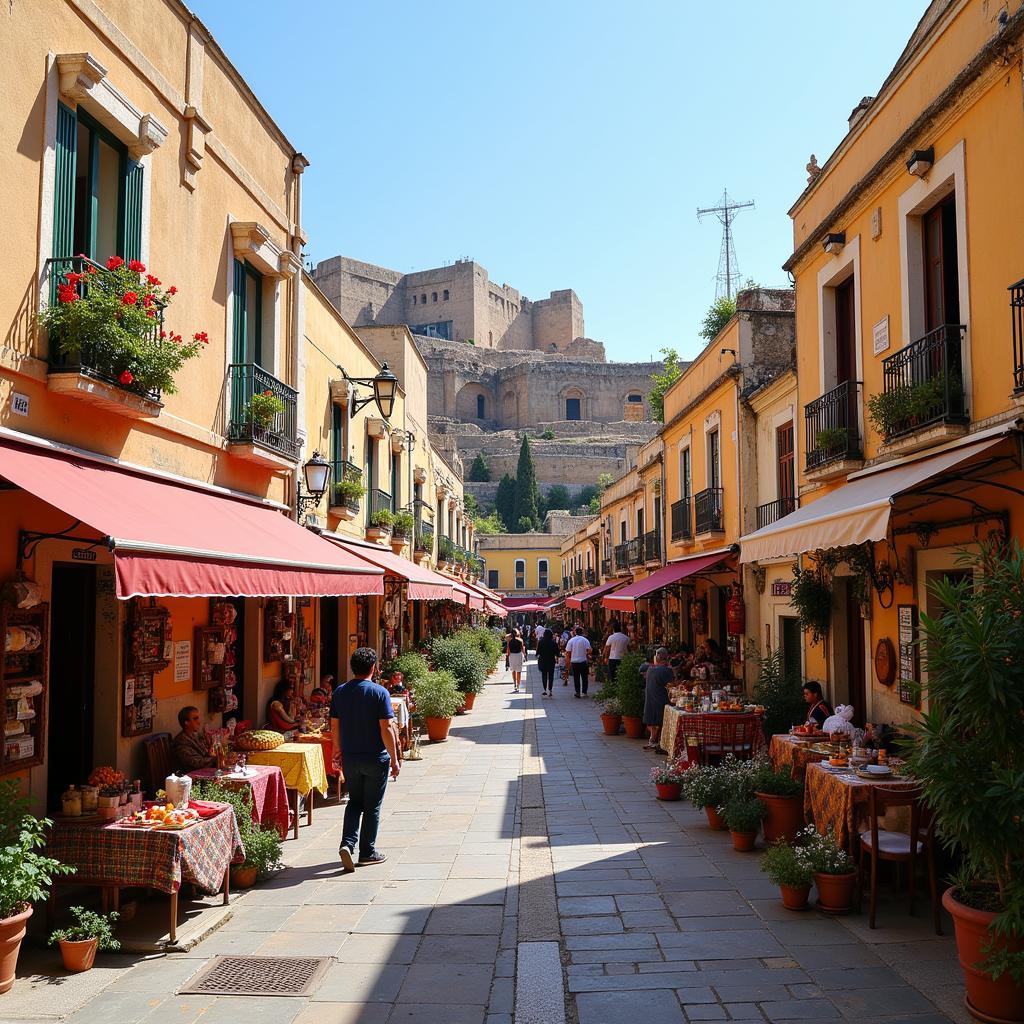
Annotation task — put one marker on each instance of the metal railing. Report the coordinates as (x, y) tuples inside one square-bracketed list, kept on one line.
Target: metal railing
[(589, 576), (567, 583), (830, 425), (923, 383), (621, 554), (341, 472), (1017, 323), (652, 546), (577, 578), (707, 508), (377, 501), (772, 511), (634, 551), (423, 536), (446, 549), (682, 528), (279, 434), (606, 568), (91, 360)]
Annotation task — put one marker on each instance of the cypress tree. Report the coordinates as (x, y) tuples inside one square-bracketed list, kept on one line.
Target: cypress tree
[(526, 488), (480, 471), (505, 501)]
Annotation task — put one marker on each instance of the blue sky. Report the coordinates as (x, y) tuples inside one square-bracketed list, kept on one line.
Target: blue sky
[(564, 144)]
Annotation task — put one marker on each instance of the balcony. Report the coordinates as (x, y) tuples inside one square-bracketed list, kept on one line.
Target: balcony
[(652, 546), (773, 511), (423, 538), (379, 501), (922, 401), (589, 577), (832, 433), (707, 507), (1017, 323), (606, 568), (634, 551), (577, 578), (446, 549), (682, 523), (621, 554), (273, 442), (93, 372), (566, 584), (345, 487)]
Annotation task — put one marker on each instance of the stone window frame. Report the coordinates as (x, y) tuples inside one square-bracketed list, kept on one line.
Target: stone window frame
[(445, 294), (835, 272), (543, 574), (433, 296), (518, 574)]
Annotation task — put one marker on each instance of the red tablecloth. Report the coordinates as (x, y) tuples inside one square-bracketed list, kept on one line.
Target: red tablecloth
[(121, 857), (269, 795)]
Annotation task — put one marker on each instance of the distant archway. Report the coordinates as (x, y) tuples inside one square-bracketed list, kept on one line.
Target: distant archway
[(509, 410), (473, 402), (574, 404)]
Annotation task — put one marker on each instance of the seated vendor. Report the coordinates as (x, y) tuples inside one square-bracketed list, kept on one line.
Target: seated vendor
[(191, 748), (394, 681), (282, 712), (817, 707)]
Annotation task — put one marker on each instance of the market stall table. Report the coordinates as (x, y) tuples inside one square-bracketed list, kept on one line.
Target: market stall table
[(683, 733), (836, 801), (327, 746), (269, 793), (112, 856), (786, 752), (302, 765)]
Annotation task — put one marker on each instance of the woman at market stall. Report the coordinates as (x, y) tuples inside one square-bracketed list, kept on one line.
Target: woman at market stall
[(817, 707), (282, 712), (658, 677)]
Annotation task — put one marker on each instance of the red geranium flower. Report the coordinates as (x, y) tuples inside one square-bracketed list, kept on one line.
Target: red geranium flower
[(151, 312), (163, 334), (154, 281), (65, 293), (126, 377), (93, 271), (172, 290), (201, 336), (73, 278), (129, 298), (139, 268), (114, 262), (147, 299)]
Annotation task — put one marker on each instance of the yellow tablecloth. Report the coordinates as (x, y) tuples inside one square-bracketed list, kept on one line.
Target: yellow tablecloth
[(302, 765)]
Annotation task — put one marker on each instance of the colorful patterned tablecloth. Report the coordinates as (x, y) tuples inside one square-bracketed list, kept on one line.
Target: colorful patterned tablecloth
[(837, 802), (120, 857), (681, 731), (784, 753), (301, 763), (327, 746), (269, 795)]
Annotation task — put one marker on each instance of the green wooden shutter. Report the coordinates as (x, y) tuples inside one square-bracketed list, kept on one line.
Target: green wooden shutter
[(238, 347), (131, 220), (64, 182), (337, 440)]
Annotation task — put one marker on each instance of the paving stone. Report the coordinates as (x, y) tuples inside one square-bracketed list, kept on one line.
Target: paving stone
[(635, 903), (634, 940), (393, 920), (502, 999), (378, 949), (701, 1011), (261, 1010), (648, 919), (578, 906), (451, 983), (799, 1009), (469, 949), (845, 955), (425, 1013), (591, 925), (464, 921), (887, 999), (658, 1007), (717, 904), (344, 1013), (726, 944)]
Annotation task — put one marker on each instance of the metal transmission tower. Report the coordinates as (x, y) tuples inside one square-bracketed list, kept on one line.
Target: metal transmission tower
[(728, 277)]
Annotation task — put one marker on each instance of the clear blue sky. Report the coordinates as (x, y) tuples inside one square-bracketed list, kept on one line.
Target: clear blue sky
[(564, 144)]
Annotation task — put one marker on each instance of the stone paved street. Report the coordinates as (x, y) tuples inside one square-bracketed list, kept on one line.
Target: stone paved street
[(658, 919)]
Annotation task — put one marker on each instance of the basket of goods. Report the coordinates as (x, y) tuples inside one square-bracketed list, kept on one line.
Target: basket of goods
[(258, 739), (106, 776)]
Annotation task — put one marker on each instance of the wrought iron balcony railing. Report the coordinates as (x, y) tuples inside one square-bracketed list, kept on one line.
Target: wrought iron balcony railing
[(567, 583), (279, 434), (634, 551), (621, 553), (652, 546), (423, 536), (923, 383), (379, 501), (446, 549), (589, 576), (773, 511), (682, 528), (831, 426), (345, 472), (606, 568), (1017, 324), (707, 506), (577, 578)]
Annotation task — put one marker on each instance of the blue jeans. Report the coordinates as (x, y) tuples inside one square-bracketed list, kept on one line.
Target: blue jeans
[(366, 779)]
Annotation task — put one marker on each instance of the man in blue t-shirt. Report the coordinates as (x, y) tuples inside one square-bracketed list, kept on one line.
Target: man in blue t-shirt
[(364, 740)]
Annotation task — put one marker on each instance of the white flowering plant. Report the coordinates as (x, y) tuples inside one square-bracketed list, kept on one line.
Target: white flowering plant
[(668, 773), (822, 854)]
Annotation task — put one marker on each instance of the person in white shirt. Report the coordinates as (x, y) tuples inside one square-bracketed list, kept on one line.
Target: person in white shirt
[(578, 651), (615, 648)]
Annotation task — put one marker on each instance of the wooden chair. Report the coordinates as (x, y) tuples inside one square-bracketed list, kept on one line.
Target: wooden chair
[(158, 759), (736, 735), (880, 844)]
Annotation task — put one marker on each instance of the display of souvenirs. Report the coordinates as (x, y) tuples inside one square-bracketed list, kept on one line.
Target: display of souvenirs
[(150, 643), (23, 684), (139, 708), (210, 654), (221, 657), (278, 625)]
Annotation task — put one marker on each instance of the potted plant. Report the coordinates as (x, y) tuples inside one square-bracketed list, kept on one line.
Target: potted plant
[(437, 700), (968, 753), (783, 799), (464, 660), (402, 525), (668, 780), (743, 816), (787, 868), (262, 855), (831, 440), (263, 408), (629, 688), (834, 871), (889, 410), (25, 875), (611, 716), (708, 787), (779, 692), (811, 596), (347, 492), (381, 522), (91, 933)]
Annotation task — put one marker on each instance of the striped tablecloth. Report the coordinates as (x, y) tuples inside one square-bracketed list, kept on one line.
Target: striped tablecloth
[(302, 765)]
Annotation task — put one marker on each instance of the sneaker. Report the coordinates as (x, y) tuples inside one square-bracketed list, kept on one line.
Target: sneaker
[(347, 860), (375, 858)]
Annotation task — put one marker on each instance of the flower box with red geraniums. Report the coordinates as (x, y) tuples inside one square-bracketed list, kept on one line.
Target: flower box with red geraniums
[(108, 323)]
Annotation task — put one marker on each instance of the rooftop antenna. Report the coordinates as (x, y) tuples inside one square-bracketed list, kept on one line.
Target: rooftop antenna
[(727, 279)]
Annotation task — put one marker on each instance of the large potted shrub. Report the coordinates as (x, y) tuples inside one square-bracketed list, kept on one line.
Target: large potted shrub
[(629, 688), (743, 816), (783, 799), (464, 660), (437, 700), (791, 872), (411, 664), (80, 942), (778, 691), (25, 874), (968, 753)]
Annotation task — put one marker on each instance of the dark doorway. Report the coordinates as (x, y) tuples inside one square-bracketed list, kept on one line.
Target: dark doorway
[(846, 332), (790, 630), (72, 667), (481, 407), (572, 408), (329, 653), (941, 279)]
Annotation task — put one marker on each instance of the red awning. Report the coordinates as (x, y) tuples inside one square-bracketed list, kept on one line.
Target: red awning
[(576, 601), (170, 539), (424, 584), (624, 600), (493, 608), (525, 606)]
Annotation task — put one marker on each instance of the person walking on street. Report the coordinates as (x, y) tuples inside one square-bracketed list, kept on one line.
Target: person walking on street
[(578, 651), (659, 675), (615, 648), (514, 658), (547, 658), (365, 744)]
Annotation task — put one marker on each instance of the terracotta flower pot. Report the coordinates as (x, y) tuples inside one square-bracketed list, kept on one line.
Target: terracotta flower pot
[(12, 931), (715, 820), (469, 701), (785, 817), (668, 790), (835, 892), (612, 724), (243, 876), (743, 841), (1001, 1000), (795, 897), (634, 727), (78, 956), (437, 729)]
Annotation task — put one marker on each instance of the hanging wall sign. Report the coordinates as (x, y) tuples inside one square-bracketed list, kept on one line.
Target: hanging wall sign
[(908, 655)]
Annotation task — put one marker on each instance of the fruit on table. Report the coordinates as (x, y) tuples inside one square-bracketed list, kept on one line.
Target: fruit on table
[(105, 776), (259, 739)]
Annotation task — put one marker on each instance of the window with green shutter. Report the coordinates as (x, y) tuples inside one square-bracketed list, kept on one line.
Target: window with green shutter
[(248, 316)]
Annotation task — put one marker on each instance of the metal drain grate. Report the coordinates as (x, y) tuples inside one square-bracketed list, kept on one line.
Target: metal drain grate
[(258, 976)]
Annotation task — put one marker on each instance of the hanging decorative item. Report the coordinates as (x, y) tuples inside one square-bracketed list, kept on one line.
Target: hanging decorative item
[(699, 615), (23, 682), (150, 640), (209, 672), (736, 613), (760, 575), (909, 690), (278, 625), (885, 662)]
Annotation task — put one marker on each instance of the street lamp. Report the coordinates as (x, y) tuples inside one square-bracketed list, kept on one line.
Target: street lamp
[(385, 386), (316, 473)]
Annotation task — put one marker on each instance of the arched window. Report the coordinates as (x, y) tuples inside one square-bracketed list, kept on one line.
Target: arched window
[(481, 407), (446, 295), (520, 574), (423, 298), (542, 573), (433, 296), (572, 409), (414, 300)]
